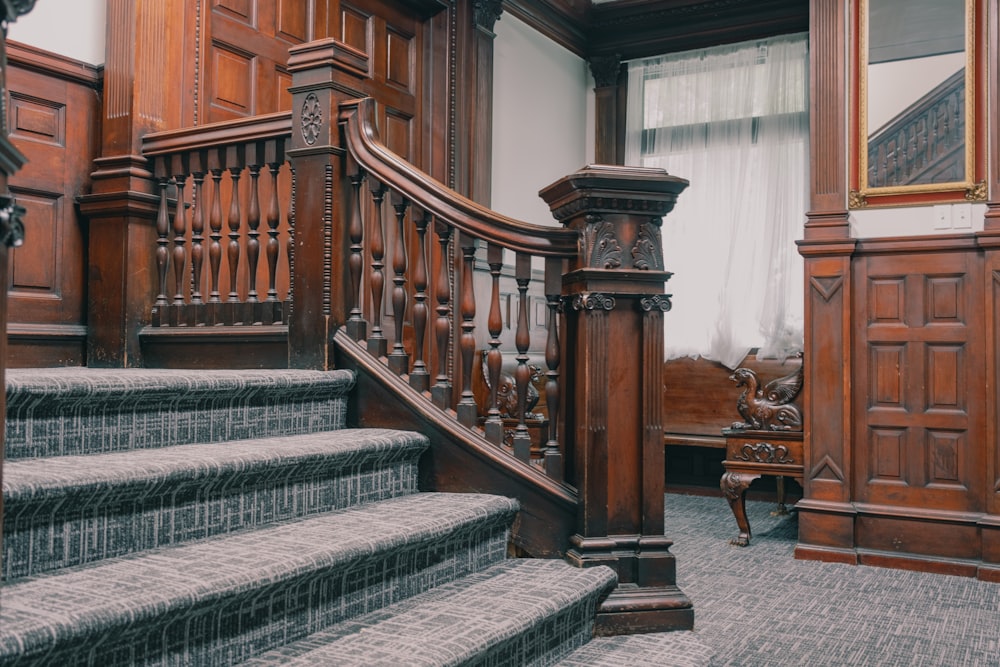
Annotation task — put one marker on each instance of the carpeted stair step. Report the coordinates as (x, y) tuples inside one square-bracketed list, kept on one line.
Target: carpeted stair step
[(660, 649), (67, 510), (519, 612), (225, 599), (68, 411)]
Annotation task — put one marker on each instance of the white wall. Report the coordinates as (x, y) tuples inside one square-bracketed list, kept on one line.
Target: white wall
[(73, 28), (542, 118)]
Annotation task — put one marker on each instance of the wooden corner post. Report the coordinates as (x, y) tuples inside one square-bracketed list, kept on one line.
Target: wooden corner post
[(614, 303)]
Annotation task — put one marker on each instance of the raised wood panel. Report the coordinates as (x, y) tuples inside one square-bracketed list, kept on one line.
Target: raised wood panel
[(293, 21), (37, 120), (242, 10), (356, 29), (233, 83), (399, 60), (920, 429), (34, 268)]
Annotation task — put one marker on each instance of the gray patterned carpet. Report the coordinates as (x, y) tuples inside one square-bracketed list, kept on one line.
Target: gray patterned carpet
[(758, 606)]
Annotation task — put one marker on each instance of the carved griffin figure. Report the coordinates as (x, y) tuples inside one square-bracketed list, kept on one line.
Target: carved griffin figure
[(507, 393), (768, 408)]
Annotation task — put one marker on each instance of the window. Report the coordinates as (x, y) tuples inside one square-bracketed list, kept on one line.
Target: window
[(734, 121)]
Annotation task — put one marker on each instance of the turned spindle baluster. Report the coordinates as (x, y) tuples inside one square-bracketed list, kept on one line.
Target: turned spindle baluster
[(253, 225), (522, 340), (162, 230), (441, 391), (215, 228), (419, 377), (180, 228), (273, 218), (235, 160), (494, 358), (553, 461), (467, 409), (399, 360), (357, 328), (197, 224), (377, 343)]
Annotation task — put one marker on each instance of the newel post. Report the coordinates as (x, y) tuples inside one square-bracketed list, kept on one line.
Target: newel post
[(614, 302), (319, 71)]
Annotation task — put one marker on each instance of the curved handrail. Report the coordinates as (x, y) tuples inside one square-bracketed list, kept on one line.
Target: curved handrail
[(363, 142)]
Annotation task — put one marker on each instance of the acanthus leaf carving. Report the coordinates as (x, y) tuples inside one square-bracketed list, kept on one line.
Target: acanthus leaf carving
[(647, 253), (601, 247)]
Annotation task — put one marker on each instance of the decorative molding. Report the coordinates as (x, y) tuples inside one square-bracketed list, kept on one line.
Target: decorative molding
[(485, 13), (312, 119), (977, 192), (654, 207), (660, 302), (764, 452), (856, 200), (605, 69), (594, 301), (601, 249), (647, 253), (827, 286), (826, 464)]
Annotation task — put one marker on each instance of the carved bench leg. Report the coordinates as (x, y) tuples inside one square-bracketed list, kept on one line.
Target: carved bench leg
[(734, 486), (782, 510)]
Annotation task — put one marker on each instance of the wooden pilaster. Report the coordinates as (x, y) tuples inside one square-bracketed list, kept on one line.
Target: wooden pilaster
[(143, 66), (614, 316), (826, 518), (609, 116)]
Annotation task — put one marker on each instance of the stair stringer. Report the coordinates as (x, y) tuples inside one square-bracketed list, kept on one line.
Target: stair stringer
[(459, 459)]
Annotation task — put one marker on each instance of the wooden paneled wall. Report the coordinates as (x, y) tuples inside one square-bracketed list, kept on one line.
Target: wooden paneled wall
[(54, 119)]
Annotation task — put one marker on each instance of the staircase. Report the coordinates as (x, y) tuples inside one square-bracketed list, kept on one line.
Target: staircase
[(229, 517)]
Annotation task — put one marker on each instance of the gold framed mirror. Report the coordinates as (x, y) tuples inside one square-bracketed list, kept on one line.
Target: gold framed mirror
[(917, 109)]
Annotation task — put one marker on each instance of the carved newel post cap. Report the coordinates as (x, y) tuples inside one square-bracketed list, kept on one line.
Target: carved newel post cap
[(603, 188), (617, 211)]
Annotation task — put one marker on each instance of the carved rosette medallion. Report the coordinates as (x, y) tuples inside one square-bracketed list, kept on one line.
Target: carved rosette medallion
[(595, 301), (601, 249), (647, 253), (660, 302), (764, 452), (312, 119)]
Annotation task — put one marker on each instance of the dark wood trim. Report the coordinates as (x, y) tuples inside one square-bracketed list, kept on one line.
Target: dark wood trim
[(55, 65), (565, 23), (992, 28), (642, 28), (257, 346)]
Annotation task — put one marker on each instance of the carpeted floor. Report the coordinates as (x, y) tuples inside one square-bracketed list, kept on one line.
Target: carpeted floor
[(759, 606)]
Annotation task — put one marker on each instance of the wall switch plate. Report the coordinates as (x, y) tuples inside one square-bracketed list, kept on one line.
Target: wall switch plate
[(960, 216), (942, 216)]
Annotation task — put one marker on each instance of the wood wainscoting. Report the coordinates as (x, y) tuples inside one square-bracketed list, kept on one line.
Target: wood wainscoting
[(919, 462), (54, 119)]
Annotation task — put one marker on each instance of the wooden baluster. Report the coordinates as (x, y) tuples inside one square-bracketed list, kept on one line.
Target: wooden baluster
[(162, 242), (399, 360), (253, 225), (494, 358), (553, 460), (357, 327), (197, 225), (215, 227), (235, 160), (377, 343), (468, 412), (441, 391), (273, 217), (179, 164), (419, 377), (522, 374)]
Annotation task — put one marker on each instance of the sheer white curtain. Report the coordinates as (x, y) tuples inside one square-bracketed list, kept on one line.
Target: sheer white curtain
[(734, 121)]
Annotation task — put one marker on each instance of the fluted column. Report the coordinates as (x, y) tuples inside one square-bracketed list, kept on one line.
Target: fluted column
[(614, 303)]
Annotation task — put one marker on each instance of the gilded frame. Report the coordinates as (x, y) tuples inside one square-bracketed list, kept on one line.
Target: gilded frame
[(972, 187)]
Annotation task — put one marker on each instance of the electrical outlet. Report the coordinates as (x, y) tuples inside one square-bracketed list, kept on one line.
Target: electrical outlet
[(960, 218), (942, 216)]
